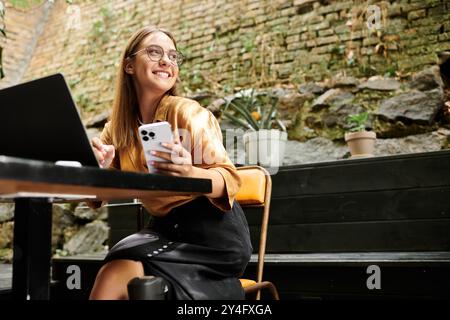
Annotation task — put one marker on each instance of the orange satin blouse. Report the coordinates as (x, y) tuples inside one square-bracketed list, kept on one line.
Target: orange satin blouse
[(199, 132)]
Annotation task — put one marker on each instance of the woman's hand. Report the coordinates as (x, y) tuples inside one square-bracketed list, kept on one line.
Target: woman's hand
[(103, 152), (180, 161)]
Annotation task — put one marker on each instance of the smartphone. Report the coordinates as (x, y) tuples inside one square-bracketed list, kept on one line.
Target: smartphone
[(152, 135)]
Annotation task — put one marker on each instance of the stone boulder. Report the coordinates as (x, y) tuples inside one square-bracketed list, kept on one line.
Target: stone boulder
[(426, 142), (291, 102), (333, 97), (381, 84), (314, 150), (427, 79), (311, 88), (99, 120), (414, 105), (62, 218), (344, 82), (337, 115), (83, 212), (6, 211), (6, 234), (90, 238)]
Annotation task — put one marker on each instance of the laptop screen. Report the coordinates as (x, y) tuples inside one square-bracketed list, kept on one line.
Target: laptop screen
[(39, 120)]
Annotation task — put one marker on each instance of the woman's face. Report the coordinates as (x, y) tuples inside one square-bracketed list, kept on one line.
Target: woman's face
[(157, 76)]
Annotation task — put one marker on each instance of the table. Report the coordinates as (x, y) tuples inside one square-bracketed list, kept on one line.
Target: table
[(36, 184)]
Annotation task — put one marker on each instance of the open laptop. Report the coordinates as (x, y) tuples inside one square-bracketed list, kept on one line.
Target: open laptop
[(39, 120)]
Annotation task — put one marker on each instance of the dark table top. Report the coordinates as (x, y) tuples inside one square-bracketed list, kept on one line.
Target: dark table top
[(26, 176)]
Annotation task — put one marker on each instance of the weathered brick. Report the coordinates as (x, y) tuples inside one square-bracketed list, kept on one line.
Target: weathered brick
[(326, 40), (320, 26), (370, 41), (351, 36), (394, 10), (341, 28), (325, 33), (335, 7), (288, 12), (413, 15), (322, 49), (444, 36), (311, 18), (291, 39), (332, 16), (293, 30), (367, 51), (439, 10), (307, 36), (278, 21), (296, 45), (310, 28)]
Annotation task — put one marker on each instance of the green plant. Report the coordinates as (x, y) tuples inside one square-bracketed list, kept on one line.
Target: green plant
[(26, 4), (357, 122), (252, 112)]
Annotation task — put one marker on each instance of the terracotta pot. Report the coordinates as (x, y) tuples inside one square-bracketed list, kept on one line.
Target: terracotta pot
[(361, 144)]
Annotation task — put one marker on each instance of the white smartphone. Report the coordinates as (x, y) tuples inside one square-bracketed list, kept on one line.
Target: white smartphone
[(152, 135)]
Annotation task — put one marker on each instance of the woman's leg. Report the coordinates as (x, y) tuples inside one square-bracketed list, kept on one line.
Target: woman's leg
[(112, 279)]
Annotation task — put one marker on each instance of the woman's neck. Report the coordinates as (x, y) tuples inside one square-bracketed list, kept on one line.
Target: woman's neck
[(148, 103)]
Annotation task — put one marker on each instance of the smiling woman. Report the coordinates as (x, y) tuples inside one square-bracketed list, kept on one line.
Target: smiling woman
[(199, 244)]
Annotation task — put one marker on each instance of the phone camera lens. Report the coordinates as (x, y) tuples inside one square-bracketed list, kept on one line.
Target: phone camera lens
[(151, 134), (145, 138), (143, 132)]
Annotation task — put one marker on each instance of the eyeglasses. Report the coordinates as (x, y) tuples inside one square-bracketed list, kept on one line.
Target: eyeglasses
[(156, 53)]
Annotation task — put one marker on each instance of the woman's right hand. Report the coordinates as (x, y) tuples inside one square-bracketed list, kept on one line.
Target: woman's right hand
[(103, 152)]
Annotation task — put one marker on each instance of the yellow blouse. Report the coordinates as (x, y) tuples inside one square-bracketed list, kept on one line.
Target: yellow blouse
[(200, 133)]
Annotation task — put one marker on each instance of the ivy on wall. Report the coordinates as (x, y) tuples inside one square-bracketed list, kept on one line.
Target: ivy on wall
[(26, 4)]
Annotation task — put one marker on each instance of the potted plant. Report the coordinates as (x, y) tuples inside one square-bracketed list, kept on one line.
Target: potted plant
[(361, 143), (265, 137)]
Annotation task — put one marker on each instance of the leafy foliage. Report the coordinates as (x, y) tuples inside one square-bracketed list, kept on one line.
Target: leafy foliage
[(252, 112), (357, 122)]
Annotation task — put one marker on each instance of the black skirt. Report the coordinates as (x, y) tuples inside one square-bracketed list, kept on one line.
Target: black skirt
[(199, 249)]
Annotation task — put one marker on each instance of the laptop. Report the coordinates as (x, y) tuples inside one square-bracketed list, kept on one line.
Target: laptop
[(39, 120)]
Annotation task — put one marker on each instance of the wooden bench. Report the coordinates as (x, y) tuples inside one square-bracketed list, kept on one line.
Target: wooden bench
[(330, 221)]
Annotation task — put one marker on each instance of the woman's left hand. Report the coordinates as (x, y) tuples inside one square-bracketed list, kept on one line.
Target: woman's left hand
[(180, 161)]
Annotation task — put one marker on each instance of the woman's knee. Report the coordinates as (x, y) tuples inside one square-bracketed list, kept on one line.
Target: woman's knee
[(122, 269), (113, 277)]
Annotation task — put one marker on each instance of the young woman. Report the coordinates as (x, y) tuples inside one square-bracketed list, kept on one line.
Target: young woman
[(199, 244)]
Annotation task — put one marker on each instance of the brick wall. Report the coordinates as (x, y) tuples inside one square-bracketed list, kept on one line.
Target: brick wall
[(228, 43), (23, 32)]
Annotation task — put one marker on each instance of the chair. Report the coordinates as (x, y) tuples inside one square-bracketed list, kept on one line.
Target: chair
[(256, 191)]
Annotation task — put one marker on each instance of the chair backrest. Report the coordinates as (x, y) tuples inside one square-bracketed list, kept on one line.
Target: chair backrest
[(256, 191)]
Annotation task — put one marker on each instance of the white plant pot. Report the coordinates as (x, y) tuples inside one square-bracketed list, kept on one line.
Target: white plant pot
[(265, 147)]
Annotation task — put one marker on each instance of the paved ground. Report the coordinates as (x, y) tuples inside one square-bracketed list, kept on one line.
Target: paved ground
[(5, 276)]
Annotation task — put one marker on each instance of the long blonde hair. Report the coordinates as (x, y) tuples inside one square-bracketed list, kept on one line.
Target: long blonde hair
[(125, 112)]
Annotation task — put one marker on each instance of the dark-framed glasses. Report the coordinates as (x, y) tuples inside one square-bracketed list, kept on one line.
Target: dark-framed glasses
[(156, 53)]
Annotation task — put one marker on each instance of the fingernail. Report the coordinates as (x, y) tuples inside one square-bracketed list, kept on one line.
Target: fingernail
[(164, 144), (153, 152)]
